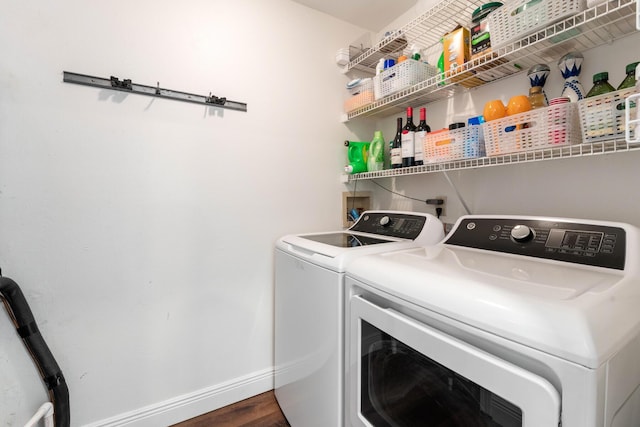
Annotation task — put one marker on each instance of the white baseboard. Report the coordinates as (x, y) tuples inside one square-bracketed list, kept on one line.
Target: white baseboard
[(191, 405)]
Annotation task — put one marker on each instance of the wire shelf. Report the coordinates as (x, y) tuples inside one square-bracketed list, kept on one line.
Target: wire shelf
[(593, 27), (553, 153)]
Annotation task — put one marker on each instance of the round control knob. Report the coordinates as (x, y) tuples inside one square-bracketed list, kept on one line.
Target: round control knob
[(522, 233), (385, 221)]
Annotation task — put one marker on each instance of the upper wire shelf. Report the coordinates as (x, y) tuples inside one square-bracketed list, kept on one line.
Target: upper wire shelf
[(593, 27)]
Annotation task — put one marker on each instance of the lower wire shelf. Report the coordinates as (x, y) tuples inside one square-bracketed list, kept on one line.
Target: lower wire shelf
[(551, 153)]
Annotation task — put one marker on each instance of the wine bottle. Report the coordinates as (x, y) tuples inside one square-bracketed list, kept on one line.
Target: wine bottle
[(396, 147), (421, 131), (408, 140)]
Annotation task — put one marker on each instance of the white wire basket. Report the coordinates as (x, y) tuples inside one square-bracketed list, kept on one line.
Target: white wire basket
[(359, 96), (519, 18), (456, 144), (401, 76), (603, 117), (548, 127)]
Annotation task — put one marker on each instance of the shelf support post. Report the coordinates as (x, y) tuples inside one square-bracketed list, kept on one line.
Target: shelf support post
[(455, 189)]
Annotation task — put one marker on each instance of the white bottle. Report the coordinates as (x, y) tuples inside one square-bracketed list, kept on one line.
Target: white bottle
[(380, 66), (631, 113), (377, 84)]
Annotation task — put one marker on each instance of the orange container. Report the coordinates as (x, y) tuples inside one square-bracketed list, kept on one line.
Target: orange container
[(457, 50), (494, 110)]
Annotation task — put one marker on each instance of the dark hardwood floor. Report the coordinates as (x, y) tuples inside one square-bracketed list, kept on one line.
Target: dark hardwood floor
[(258, 411)]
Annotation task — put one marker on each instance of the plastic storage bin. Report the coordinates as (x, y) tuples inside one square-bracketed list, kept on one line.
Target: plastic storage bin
[(359, 95), (401, 76), (457, 144), (549, 127), (603, 117), (517, 19)]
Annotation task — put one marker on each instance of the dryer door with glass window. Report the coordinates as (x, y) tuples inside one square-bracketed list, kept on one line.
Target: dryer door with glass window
[(406, 374)]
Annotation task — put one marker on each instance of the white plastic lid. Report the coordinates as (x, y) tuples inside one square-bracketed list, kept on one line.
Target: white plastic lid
[(353, 83)]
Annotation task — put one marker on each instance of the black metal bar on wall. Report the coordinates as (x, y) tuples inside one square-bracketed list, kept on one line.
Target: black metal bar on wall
[(126, 85)]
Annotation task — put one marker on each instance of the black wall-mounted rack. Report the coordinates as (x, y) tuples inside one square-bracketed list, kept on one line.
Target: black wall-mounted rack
[(126, 85)]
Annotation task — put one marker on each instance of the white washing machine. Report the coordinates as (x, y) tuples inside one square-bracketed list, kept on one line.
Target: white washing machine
[(309, 308), (510, 321)]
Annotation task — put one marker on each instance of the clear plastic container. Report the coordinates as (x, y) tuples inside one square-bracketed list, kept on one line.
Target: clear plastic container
[(536, 98)]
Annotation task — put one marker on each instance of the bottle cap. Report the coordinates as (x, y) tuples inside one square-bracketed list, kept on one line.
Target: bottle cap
[(415, 52), (475, 121), (631, 67), (601, 77)]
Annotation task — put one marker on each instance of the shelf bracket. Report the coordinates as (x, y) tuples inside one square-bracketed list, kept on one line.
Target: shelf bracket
[(455, 189), (126, 85)]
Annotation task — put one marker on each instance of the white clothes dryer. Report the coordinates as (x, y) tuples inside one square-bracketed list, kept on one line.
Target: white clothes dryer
[(510, 321), (309, 308)]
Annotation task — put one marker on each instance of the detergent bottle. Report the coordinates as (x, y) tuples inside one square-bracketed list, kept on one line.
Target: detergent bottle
[(357, 152), (375, 162)]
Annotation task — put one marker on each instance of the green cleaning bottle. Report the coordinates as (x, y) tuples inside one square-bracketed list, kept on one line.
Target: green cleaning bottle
[(357, 152), (375, 161)]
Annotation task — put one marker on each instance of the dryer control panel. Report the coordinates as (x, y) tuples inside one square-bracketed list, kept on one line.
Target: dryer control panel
[(589, 244), (392, 224)]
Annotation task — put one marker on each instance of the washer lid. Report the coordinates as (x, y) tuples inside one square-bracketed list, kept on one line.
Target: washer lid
[(344, 240), (334, 257), (374, 232)]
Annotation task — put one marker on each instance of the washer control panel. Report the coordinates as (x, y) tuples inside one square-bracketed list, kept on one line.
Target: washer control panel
[(580, 243), (390, 224)]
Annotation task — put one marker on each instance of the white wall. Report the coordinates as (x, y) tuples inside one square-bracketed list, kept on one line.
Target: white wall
[(140, 229), (600, 187)]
